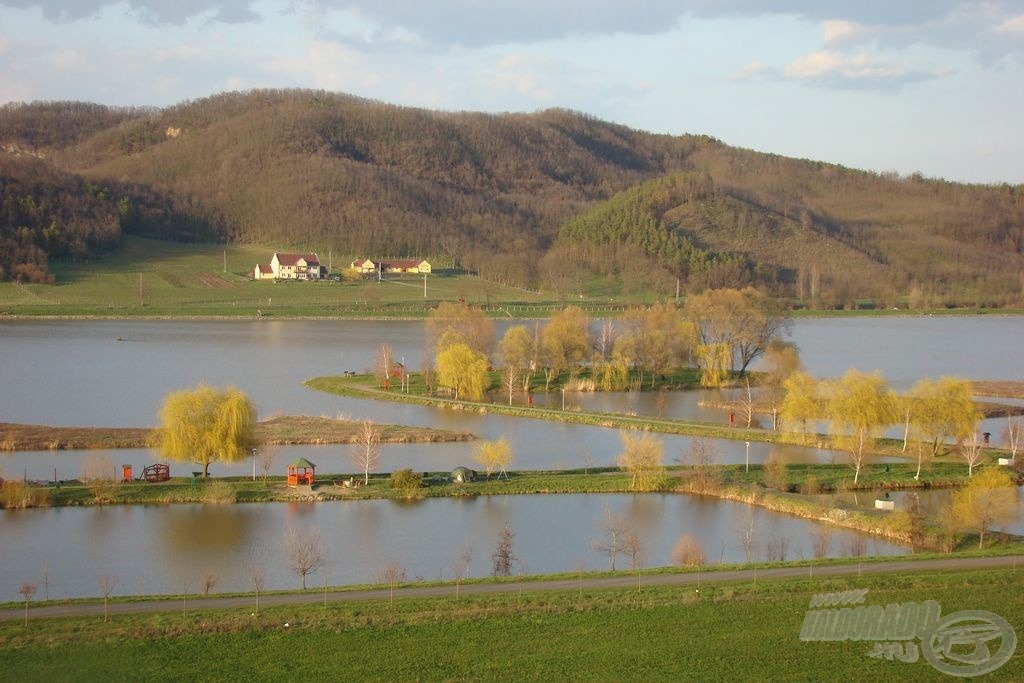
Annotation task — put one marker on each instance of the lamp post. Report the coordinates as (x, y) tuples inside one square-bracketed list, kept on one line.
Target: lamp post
[(563, 399), (254, 464), (748, 456)]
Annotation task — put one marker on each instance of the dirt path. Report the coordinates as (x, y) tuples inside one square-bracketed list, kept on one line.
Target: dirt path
[(194, 603)]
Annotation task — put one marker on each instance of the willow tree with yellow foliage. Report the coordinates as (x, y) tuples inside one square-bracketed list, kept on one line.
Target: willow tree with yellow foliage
[(207, 424), (494, 455), (990, 499), (859, 406), (464, 371)]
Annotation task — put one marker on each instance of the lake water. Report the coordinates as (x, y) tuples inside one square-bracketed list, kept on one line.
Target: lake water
[(158, 549), (116, 373)]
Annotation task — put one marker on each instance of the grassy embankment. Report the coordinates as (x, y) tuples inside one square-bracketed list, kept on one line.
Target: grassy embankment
[(827, 479), (795, 495), (151, 278), (274, 431), (736, 630), (366, 386)]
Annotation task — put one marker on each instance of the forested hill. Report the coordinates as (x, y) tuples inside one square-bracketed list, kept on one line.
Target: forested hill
[(553, 198)]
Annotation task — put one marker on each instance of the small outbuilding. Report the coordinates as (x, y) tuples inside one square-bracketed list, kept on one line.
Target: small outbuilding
[(462, 475), (301, 473)]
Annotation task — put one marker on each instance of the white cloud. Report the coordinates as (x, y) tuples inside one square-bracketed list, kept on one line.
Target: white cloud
[(834, 69), (524, 75), (814, 65), (67, 58), (752, 71), (1013, 27), (838, 30), (326, 65)]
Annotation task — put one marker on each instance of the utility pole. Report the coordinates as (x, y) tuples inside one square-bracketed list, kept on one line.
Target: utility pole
[(424, 285)]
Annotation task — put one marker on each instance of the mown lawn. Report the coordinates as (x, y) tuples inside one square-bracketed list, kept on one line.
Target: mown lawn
[(724, 632)]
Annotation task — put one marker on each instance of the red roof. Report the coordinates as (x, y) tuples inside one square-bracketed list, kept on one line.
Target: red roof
[(265, 268), (400, 263)]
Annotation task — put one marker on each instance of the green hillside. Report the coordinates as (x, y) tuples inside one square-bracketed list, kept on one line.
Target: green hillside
[(555, 199)]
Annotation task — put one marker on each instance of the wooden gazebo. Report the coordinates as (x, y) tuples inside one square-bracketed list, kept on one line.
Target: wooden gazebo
[(301, 473)]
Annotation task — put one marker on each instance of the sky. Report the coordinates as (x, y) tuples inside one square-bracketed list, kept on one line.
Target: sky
[(908, 86)]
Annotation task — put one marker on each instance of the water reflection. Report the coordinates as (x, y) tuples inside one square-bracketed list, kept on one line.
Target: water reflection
[(159, 549), (933, 503)]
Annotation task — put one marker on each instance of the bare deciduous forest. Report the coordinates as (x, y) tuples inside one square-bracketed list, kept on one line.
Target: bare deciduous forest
[(554, 198)]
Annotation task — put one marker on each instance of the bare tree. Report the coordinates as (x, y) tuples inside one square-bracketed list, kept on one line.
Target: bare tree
[(510, 381), (613, 530), (383, 365), (776, 549), (855, 545), (660, 400), (462, 565), (748, 404), (821, 541), (581, 566), (605, 339), (688, 552), (775, 471), (392, 574), (98, 475), (701, 473), (745, 534), (634, 548), (503, 558), (208, 581), (259, 581), (365, 450), (106, 584), (971, 452), (641, 456), (1012, 433), (306, 552), (27, 590), (267, 456)]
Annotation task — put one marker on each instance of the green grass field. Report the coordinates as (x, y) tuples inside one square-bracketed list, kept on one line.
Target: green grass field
[(154, 278), (145, 277), (730, 631)]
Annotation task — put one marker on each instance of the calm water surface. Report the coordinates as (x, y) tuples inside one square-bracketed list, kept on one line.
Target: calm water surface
[(158, 549), (116, 373)]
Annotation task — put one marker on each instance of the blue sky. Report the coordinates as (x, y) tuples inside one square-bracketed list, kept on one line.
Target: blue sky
[(932, 86)]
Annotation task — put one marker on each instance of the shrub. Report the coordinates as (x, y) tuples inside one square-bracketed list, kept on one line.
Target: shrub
[(18, 495), (775, 472), (219, 492), (688, 552), (406, 480)]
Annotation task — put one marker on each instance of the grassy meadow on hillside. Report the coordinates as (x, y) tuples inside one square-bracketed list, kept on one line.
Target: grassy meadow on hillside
[(155, 278)]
